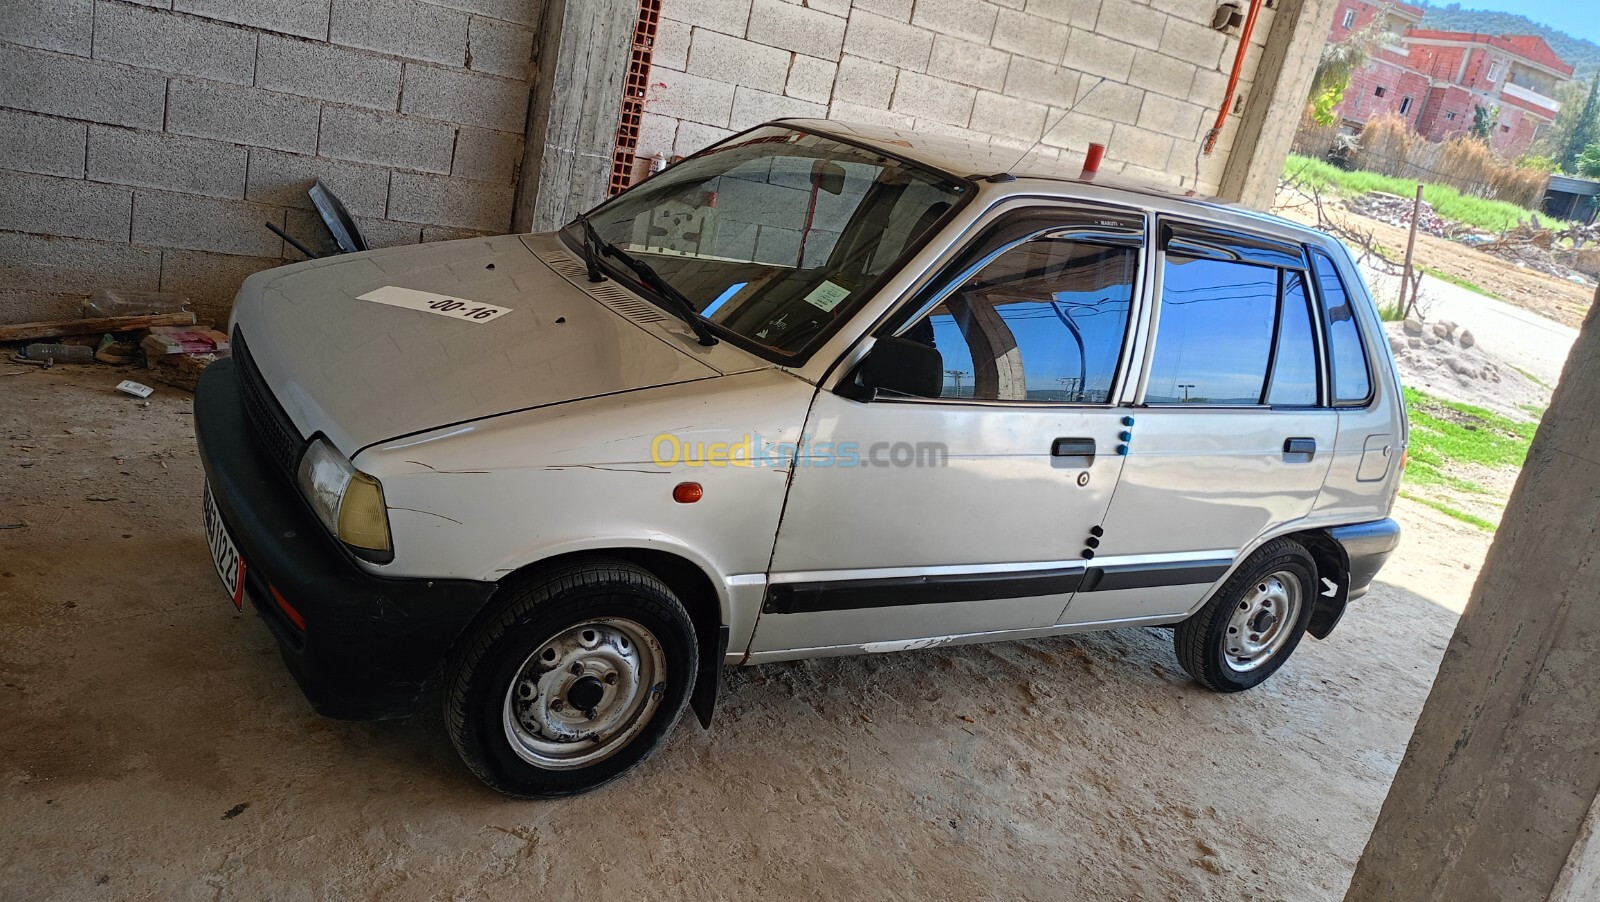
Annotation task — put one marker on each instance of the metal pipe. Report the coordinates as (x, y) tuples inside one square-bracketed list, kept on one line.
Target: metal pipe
[(1233, 79)]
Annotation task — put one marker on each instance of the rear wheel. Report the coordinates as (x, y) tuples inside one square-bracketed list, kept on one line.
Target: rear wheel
[(1254, 622), (577, 679)]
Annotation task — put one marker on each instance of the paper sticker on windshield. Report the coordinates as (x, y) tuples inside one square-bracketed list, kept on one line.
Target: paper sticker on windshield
[(442, 304), (827, 296)]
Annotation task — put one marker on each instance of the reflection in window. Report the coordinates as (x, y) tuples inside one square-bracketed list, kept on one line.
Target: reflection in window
[(1352, 383), (1294, 361), (1043, 322), (1215, 333)]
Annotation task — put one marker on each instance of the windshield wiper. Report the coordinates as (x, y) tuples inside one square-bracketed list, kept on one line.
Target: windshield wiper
[(591, 239), (676, 302)]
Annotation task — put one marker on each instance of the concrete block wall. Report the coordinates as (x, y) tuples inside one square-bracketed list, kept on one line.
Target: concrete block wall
[(1144, 77), (144, 144)]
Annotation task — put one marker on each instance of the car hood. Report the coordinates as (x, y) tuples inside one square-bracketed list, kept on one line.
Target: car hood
[(360, 372)]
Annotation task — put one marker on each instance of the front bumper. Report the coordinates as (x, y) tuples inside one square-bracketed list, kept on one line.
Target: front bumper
[(370, 643)]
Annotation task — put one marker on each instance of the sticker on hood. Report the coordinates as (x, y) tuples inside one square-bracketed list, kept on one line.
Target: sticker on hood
[(442, 304)]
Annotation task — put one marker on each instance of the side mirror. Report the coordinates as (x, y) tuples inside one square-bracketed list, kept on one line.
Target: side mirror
[(828, 176), (898, 365)]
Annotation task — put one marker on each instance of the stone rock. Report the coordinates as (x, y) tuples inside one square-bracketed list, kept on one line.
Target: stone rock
[(1449, 326), (1396, 345), (1466, 371), (1428, 338), (1441, 332), (1412, 326), (1414, 342), (1465, 339)]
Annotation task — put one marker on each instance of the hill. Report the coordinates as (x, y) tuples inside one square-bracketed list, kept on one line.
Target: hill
[(1585, 55)]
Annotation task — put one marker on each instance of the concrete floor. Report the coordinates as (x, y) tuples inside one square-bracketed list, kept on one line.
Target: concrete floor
[(152, 745)]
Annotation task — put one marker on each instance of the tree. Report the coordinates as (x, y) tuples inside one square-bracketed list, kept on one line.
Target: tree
[(1483, 122), (1588, 164), (1585, 132), (1338, 62)]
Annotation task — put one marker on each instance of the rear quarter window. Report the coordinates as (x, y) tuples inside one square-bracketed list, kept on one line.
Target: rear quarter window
[(1352, 374)]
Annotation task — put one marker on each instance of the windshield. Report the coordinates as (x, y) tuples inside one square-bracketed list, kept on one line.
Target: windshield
[(776, 235)]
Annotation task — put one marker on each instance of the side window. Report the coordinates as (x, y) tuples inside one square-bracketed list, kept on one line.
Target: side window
[(1294, 357), (1214, 339), (1042, 322), (1352, 380)]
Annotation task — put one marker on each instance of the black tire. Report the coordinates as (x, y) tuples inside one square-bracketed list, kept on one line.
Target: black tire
[(540, 610), (1202, 640)]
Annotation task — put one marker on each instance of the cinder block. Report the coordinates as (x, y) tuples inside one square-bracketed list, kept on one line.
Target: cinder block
[(43, 82), (1075, 131), (887, 41), (156, 39), (306, 18), (64, 25), (1109, 100), (149, 160), (656, 135), (1192, 42), (191, 222), (456, 95), (211, 280), (671, 49), (926, 97), (26, 305), (406, 28), (383, 233), (387, 139), (752, 107), (1008, 117), (1141, 146), (487, 156), (1096, 55), (32, 143), (726, 16), (37, 262), (282, 179), (1155, 71), (833, 7), (1208, 88), (864, 82), (693, 136), (737, 61), (893, 9), (969, 19), (967, 63), (437, 200), (1077, 13), (845, 111), (242, 115), (796, 28), (500, 48), (1178, 118), (684, 96), (811, 79), (46, 205), (1030, 36), (431, 234), (1041, 82), (293, 66), (1134, 24)]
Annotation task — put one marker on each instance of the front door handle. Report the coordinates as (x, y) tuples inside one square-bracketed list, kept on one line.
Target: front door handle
[(1072, 447), (1306, 446)]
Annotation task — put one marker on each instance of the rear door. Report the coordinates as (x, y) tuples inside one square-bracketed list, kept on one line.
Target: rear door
[(1231, 431)]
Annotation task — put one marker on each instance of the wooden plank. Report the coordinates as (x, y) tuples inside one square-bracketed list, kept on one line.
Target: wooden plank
[(30, 331)]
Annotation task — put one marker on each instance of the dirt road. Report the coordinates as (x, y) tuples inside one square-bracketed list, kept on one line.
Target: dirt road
[(152, 745)]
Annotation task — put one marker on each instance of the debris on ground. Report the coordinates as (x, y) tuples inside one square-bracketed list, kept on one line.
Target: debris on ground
[(1442, 359), (59, 353), (121, 302), (93, 326), (182, 370), (1555, 252), (169, 340), (137, 389), (121, 328), (1396, 211)]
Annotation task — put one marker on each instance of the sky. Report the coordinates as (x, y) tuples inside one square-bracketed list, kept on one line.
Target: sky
[(1579, 18)]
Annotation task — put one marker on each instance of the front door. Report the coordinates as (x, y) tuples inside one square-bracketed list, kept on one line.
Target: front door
[(977, 509)]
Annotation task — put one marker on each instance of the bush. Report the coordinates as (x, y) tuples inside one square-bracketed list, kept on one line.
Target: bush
[(1447, 201), (1388, 146)]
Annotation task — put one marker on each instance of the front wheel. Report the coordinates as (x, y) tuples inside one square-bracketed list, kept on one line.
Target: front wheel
[(578, 678), (1254, 622)]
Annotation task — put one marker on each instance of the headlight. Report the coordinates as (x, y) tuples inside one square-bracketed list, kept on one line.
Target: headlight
[(347, 501)]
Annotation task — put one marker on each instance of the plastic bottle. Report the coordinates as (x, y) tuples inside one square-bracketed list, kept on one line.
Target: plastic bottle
[(60, 353)]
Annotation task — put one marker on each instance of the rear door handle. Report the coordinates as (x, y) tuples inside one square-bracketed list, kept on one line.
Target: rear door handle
[(1300, 446), (1072, 447)]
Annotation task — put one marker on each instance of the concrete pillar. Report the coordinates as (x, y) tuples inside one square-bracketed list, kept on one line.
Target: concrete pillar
[(583, 50), (1496, 796), (1275, 101)]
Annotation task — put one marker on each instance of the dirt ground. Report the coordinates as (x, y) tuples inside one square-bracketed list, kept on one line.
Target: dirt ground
[(152, 744), (1550, 297)]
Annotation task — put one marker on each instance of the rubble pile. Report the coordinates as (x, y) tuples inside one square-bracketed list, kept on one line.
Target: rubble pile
[(1570, 253), (1396, 211), (1445, 360)]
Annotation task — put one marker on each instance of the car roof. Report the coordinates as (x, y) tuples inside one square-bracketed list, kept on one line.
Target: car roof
[(975, 159)]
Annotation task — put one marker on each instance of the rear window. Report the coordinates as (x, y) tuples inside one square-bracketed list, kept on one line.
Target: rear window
[(1352, 378)]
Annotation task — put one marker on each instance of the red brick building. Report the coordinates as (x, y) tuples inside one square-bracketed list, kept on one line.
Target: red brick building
[(1436, 80)]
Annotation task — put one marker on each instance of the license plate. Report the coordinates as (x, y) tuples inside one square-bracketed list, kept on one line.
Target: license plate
[(224, 554)]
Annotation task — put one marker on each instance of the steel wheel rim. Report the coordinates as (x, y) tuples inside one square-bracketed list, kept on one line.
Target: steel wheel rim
[(584, 694), (1262, 622)]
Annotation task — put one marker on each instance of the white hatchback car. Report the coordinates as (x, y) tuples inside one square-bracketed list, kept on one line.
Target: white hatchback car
[(816, 390)]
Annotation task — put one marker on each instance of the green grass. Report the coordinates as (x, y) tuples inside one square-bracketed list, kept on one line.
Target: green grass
[(1459, 282), (1491, 215), (1446, 436)]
